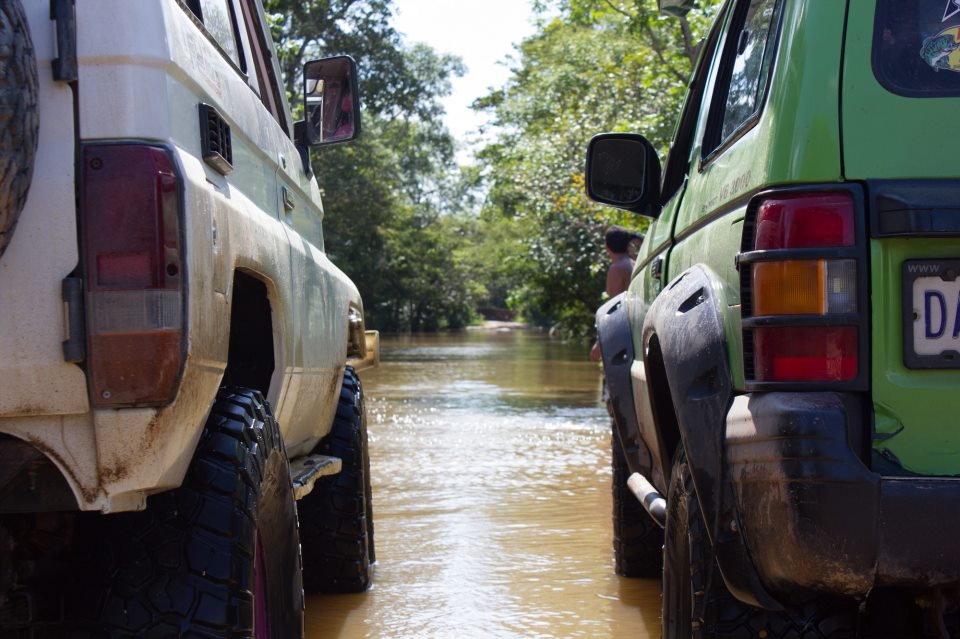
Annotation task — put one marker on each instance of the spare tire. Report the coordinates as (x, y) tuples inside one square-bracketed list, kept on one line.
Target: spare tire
[(19, 119)]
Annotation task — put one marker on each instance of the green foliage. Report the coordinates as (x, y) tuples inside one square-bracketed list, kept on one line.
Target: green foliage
[(384, 193), (600, 65), (428, 242)]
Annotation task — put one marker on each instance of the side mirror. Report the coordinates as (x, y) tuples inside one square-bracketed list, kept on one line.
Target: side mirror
[(331, 100), (678, 8), (623, 170)]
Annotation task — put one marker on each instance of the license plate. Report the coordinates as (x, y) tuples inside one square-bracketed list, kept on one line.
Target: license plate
[(931, 323)]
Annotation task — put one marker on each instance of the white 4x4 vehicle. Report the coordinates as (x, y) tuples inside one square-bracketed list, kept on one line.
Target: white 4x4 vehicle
[(174, 343)]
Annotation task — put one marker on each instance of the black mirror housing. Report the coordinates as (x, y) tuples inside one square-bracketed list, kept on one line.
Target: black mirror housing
[(331, 100), (623, 170)]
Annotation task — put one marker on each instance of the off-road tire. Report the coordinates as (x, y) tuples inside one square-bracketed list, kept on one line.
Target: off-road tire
[(185, 567), (336, 518), (19, 118), (696, 602), (637, 539)]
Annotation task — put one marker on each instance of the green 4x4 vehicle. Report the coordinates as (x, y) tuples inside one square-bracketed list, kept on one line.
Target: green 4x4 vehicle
[(784, 369)]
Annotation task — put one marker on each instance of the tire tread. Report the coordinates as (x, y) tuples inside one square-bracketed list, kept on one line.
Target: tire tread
[(19, 115), (336, 518)]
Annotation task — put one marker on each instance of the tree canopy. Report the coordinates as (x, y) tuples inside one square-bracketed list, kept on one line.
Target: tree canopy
[(404, 220), (598, 66), (385, 194)]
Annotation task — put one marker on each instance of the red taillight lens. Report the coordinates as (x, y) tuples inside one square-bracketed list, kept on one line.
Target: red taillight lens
[(812, 274), (805, 221), (804, 354), (131, 228)]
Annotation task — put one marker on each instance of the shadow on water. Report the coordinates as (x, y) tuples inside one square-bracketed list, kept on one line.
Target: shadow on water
[(491, 473)]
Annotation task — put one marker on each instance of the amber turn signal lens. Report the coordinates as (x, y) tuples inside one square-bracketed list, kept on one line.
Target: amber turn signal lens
[(792, 287)]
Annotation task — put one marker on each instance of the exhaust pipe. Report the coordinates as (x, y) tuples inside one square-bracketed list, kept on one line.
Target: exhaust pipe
[(653, 502)]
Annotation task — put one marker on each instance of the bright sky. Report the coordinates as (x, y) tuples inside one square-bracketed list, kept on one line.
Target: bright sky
[(481, 32)]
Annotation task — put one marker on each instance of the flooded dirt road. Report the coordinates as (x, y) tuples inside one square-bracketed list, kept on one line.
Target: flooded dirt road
[(491, 478)]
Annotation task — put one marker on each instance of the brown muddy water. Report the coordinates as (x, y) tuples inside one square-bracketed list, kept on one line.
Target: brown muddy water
[(491, 478)]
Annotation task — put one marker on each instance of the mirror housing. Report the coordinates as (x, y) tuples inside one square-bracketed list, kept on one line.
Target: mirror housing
[(623, 170), (331, 100), (676, 8)]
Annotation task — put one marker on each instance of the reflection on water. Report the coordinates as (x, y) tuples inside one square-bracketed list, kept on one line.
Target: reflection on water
[(491, 479)]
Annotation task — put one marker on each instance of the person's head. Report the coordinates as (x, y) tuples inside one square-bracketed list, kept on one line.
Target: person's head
[(617, 239)]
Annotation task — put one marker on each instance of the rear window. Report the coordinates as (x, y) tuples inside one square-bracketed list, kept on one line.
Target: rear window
[(916, 47)]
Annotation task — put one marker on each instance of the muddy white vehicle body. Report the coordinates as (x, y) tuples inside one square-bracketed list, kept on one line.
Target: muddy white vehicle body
[(111, 356)]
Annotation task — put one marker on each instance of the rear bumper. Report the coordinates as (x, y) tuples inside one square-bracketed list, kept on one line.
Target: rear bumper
[(815, 518)]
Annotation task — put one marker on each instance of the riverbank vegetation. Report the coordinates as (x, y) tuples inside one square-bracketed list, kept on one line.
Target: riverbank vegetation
[(430, 242)]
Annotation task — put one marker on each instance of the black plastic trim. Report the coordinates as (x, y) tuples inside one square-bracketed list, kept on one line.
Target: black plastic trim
[(648, 203), (65, 67), (216, 142), (774, 255), (838, 319), (687, 321), (616, 348), (914, 208), (840, 528)]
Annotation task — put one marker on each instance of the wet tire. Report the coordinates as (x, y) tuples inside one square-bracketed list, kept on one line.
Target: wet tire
[(209, 558), (637, 539), (336, 518), (696, 602), (19, 118)]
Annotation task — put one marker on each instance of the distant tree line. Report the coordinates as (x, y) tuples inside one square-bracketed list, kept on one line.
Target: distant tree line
[(429, 242)]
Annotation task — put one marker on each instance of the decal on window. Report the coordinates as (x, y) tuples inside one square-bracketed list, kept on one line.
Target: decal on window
[(916, 47), (953, 8), (940, 50)]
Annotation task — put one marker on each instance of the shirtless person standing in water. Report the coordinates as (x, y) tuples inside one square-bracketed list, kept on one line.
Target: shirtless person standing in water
[(617, 242)]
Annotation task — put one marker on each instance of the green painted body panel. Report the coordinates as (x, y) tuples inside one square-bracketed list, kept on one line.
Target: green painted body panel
[(887, 135), (715, 246), (916, 410), (793, 140), (643, 287), (797, 137)]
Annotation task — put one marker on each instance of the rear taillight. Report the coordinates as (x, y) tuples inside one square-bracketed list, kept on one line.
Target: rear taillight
[(799, 278), (134, 268)]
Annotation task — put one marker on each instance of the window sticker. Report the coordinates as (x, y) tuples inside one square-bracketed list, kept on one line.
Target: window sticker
[(953, 8), (916, 49), (940, 51)]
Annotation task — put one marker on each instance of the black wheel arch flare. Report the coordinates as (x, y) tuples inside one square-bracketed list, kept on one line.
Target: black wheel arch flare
[(686, 322)]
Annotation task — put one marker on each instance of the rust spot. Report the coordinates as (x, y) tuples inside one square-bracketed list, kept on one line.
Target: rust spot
[(153, 429), (26, 410), (114, 474)]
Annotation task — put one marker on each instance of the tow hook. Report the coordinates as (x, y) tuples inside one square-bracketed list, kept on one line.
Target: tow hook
[(653, 502)]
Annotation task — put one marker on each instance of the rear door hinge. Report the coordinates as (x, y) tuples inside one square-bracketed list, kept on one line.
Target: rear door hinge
[(656, 268), (65, 64), (75, 346)]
